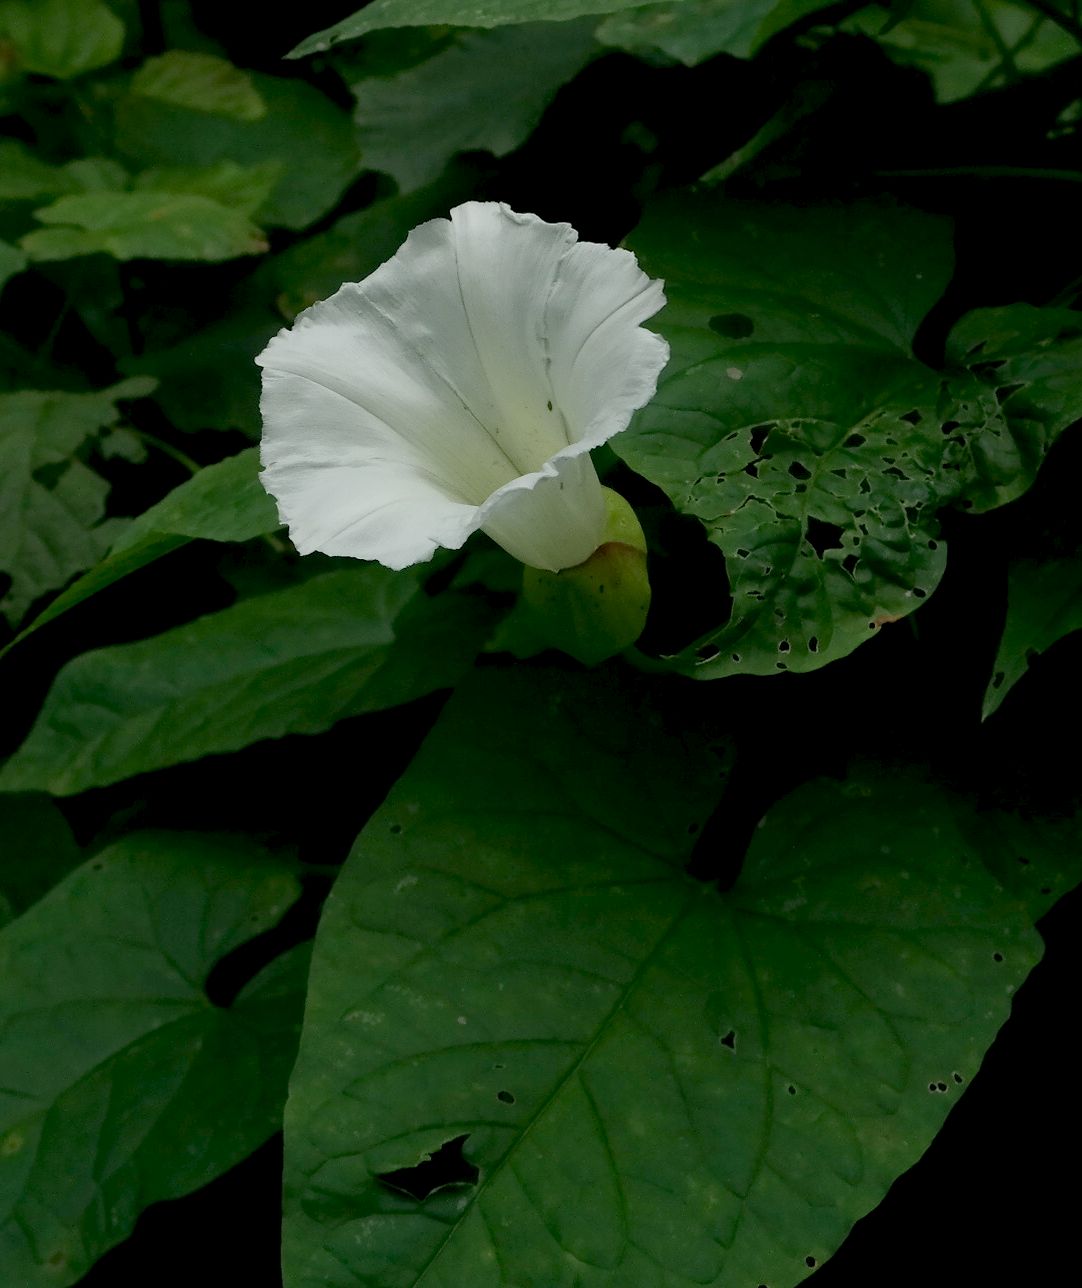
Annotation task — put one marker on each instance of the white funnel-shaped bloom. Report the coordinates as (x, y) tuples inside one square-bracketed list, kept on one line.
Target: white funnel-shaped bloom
[(460, 387)]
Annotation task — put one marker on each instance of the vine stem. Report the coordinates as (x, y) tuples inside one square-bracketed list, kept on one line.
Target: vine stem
[(1064, 20)]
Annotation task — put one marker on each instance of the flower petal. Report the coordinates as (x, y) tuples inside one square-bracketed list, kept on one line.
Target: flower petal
[(453, 389)]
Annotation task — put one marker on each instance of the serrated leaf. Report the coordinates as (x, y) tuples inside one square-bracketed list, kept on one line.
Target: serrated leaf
[(200, 81), (142, 225), (1044, 603), (292, 661), (967, 46), (793, 420), (61, 38), (692, 31), (122, 1083), (51, 504), (37, 850), (643, 1082), (223, 502), (474, 13), (304, 132), (484, 92)]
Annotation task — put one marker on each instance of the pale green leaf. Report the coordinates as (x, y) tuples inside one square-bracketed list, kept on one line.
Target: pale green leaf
[(223, 502), (200, 81), (966, 45), (37, 850), (793, 420), (51, 504), (142, 225), (1044, 603), (691, 31), (304, 132), (291, 661), (61, 38), (646, 1083), (122, 1084), (484, 92), (472, 13), (244, 188), (12, 261)]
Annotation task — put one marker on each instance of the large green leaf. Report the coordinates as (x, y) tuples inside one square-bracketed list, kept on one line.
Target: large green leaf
[(309, 137), (201, 81), (223, 502), (1044, 603), (142, 225), (966, 45), (484, 92), (37, 850), (693, 30), (793, 420), (51, 504), (473, 13), (292, 661), (631, 1080), (122, 1084), (60, 38)]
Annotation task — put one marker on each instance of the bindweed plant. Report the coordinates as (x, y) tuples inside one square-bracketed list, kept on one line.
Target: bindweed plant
[(541, 586)]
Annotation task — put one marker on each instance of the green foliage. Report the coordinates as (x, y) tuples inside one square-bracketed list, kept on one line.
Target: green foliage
[(60, 38), (38, 852), (1044, 603), (483, 92), (691, 31), (200, 81), (142, 225), (292, 661), (51, 503), (967, 46), (12, 261), (108, 1030), (310, 138), (514, 960)]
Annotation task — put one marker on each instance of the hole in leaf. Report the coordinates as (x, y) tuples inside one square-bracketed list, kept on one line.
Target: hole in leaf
[(736, 657), (707, 652), (997, 957), (958, 1078), (548, 405), (895, 472), (933, 545), (813, 644), (443, 1167), (395, 829), (792, 1090), (920, 594), (505, 1097), (810, 1262), (752, 470), (729, 1040), (865, 486), (849, 563), (733, 326), (914, 417), (757, 437), (855, 440), (781, 666), (941, 1086), (799, 471), (949, 426), (842, 474), (783, 646), (822, 536), (742, 554)]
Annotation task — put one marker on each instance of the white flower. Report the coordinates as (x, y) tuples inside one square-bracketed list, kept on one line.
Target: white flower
[(460, 387)]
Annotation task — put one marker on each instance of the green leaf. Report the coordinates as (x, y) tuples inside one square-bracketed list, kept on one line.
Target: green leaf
[(793, 420), (292, 661), (223, 502), (484, 92), (239, 187), (38, 850), (61, 38), (303, 131), (51, 504), (637, 1074), (967, 45), (1021, 390), (691, 31), (25, 177), (122, 1083), (1044, 603), (12, 261), (202, 82), (474, 13), (142, 225)]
